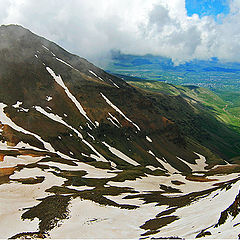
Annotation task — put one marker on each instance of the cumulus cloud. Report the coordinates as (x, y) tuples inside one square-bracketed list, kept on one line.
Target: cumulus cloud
[(92, 28)]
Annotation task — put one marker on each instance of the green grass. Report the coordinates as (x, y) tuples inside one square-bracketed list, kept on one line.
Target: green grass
[(225, 106)]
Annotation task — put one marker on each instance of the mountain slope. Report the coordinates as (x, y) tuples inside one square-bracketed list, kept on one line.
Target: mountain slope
[(74, 137), (208, 121), (87, 95)]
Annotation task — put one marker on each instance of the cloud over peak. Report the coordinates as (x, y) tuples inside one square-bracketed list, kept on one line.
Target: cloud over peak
[(93, 28)]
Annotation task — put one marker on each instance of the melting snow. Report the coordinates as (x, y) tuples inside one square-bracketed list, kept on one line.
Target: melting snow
[(200, 163), (59, 81), (60, 60), (149, 139), (91, 136), (113, 122), (45, 47), (11, 161), (92, 172), (202, 214), (114, 83), (114, 118), (6, 120), (60, 120), (89, 126), (110, 222), (167, 166), (17, 197), (100, 157), (17, 105), (93, 73), (48, 98), (20, 145), (121, 155), (119, 111), (57, 118)]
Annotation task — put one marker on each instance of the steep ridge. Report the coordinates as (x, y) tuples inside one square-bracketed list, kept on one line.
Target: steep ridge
[(74, 137)]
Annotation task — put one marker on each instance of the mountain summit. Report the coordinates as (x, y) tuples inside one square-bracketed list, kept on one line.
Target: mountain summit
[(74, 135)]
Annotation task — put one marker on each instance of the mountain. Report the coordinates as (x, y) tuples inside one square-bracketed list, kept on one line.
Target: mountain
[(213, 73), (86, 155)]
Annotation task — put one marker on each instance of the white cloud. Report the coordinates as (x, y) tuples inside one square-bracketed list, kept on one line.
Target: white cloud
[(91, 28)]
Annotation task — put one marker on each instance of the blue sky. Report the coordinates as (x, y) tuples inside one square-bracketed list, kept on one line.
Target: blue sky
[(207, 7)]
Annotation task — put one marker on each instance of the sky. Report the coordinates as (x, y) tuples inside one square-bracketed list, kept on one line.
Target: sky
[(179, 29), (207, 7)]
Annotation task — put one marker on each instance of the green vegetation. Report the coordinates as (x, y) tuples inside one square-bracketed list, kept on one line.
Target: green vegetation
[(212, 74), (224, 105)]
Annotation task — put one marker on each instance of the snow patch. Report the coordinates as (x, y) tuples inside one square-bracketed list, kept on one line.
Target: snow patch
[(149, 139), (113, 122), (17, 105), (100, 157), (6, 120), (114, 118), (149, 151), (58, 119), (110, 222), (193, 219), (113, 83), (119, 111), (93, 73), (49, 98), (151, 167), (45, 47), (121, 155), (167, 166), (91, 136), (60, 60), (16, 198), (89, 126), (200, 163), (59, 81), (11, 161)]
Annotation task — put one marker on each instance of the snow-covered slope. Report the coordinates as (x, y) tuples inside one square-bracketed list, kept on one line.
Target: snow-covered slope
[(83, 153)]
